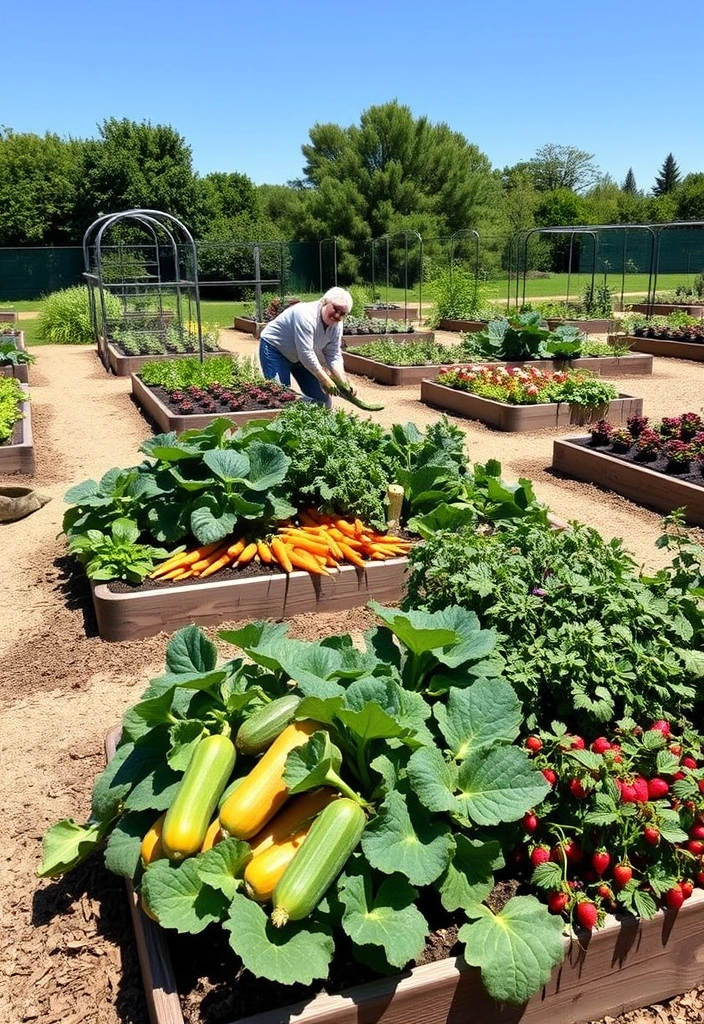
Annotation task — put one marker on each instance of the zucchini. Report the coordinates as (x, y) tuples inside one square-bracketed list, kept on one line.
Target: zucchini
[(230, 789), (203, 781), (263, 791), (344, 391), (264, 871), (261, 729), (297, 812), (333, 837)]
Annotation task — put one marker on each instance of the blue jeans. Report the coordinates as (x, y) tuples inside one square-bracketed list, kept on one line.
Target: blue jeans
[(276, 366)]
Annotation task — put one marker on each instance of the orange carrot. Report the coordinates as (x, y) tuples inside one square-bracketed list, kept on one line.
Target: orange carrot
[(301, 540), (305, 560), (280, 553), (351, 555), (203, 563), (344, 527), (237, 548), (247, 554), (264, 552), (189, 557), (219, 563)]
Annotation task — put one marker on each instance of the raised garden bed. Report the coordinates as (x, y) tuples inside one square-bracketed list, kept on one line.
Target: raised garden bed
[(665, 308), (155, 405), (396, 313), (575, 457), (355, 340), (397, 376), (20, 371), (130, 614), (586, 326), (628, 963), (471, 326), (248, 325), (666, 347), (17, 456), (123, 365), (523, 417), (8, 316)]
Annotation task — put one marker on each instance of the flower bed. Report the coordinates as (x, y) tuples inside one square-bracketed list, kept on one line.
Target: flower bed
[(173, 413), (520, 399), (17, 454), (661, 466), (391, 312)]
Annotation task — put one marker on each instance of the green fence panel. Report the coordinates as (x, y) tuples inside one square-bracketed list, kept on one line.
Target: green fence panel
[(27, 274)]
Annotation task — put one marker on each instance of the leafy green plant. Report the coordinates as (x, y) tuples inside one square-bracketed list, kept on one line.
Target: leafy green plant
[(116, 555), (187, 371), (585, 638), (11, 355), (419, 728), (456, 295), (526, 337), (65, 318), (410, 353), (11, 398), (582, 388)]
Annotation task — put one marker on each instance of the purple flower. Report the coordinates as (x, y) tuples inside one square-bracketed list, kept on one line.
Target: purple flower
[(538, 591)]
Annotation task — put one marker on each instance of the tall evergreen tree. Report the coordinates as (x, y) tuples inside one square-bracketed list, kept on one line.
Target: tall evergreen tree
[(629, 183), (669, 177)]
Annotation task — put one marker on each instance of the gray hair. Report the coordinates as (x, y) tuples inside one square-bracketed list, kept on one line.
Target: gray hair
[(339, 296)]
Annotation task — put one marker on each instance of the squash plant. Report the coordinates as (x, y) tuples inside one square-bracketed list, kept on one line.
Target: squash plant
[(419, 728), (521, 337)]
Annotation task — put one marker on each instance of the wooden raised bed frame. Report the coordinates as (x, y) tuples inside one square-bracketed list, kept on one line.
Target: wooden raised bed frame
[(355, 340), (166, 420), (19, 458), (122, 366), (664, 347), (660, 491), (396, 376), (624, 965), (137, 614), (523, 417), (20, 371)]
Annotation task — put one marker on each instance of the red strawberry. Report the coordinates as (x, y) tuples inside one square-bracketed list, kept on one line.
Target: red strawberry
[(605, 892), (558, 902), (578, 789), (539, 855), (578, 743), (572, 851), (550, 776), (661, 726), (696, 831), (600, 861), (676, 749), (689, 762), (534, 743), (700, 784), (586, 914), (657, 788), (674, 897), (640, 788), (699, 878), (687, 887), (530, 821), (628, 793), (651, 835), (623, 873), (696, 847), (601, 745)]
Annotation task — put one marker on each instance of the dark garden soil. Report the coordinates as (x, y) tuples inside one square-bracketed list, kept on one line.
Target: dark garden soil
[(67, 949), (693, 473), (224, 400)]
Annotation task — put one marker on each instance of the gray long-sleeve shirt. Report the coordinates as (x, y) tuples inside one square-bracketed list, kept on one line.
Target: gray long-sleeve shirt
[(298, 332)]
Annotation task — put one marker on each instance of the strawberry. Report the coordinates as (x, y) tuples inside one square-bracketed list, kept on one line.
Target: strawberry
[(605, 892), (676, 749), (550, 776), (640, 788), (600, 861), (601, 745), (674, 897), (689, 762), (534, 744), (572, 851), (661, 726), (687, 887), (586, 914), (530, 821), (700, 784), (558, 902), (628, 793), (651, 835), (696, 831), (539, 855), (578, 743), (623, 873), (657, 788), (580, 788), (696, 847), (699, 879)]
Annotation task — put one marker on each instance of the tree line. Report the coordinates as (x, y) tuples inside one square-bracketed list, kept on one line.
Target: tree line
[(393, 174)]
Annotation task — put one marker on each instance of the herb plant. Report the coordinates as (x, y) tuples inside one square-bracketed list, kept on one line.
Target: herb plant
[(11, 398)]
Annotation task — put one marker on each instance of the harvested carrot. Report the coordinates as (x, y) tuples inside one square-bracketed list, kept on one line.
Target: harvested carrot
[(347, 528), (305, 560), (264, 552), (302, 540), (247, 554), (280, 553), (203, 563), (237, 548), (219, 563), (189, 557), (351, 555)]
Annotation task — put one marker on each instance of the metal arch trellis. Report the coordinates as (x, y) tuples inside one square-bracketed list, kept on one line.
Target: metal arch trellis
[(159, 225), (387, 239), (523, 236), (662, 228)]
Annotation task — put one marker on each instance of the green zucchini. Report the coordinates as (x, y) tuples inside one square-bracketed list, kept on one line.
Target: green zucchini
[(333, 837), (203, 781), (261, 729), (346, 392)]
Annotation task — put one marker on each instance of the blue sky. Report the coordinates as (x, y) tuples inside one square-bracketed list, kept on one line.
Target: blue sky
[(243, 83)]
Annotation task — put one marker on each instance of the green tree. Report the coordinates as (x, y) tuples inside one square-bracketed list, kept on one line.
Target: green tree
[(629, 183), (39, 178), (562, 206), (563, 167), (690, 198), (669, 177), (393, 174), (138, 166)]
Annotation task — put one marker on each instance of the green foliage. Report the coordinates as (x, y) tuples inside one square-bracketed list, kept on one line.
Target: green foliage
[(65, 317), (525, 337), (586, 639), (11, 355), (187, 371), (116, 555), (456, 295), (11, 397), (410, 353)]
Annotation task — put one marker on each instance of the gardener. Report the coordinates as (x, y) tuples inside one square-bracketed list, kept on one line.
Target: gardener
[(305, 341)]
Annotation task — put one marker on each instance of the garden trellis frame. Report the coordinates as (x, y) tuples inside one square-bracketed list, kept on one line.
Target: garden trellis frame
[(521, 239), (660, 231), (387, 239), (160, 227)]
